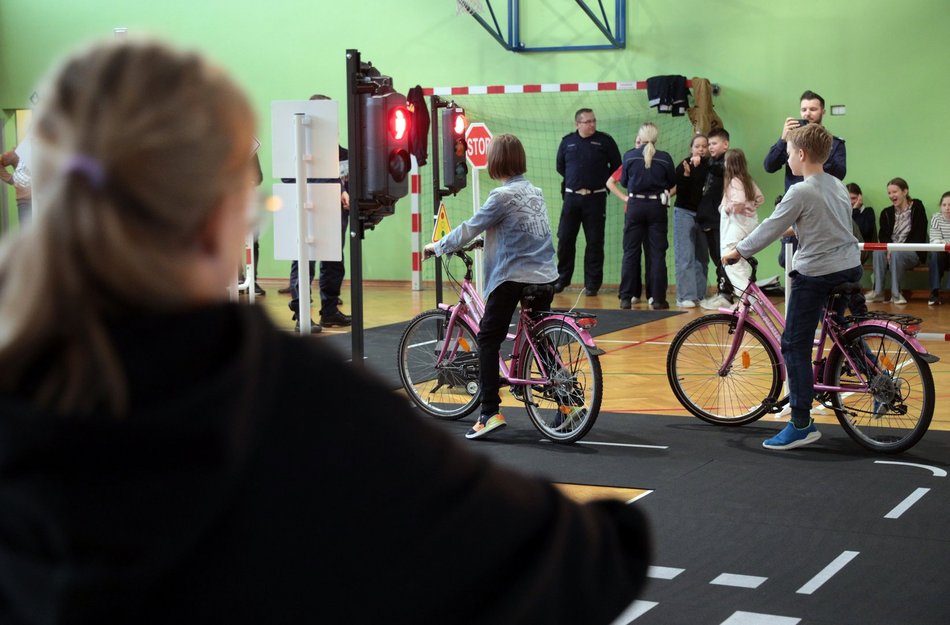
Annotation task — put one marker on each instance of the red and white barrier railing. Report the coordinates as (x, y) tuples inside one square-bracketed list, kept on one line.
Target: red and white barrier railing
[(882, 247)]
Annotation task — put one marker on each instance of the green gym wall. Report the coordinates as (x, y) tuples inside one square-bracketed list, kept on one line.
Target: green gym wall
[(883, 59)]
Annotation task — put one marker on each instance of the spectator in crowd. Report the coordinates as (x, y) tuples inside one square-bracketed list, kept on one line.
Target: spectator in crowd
[(691, 258), (939, 261), (904, 221), (585, 159), (812, 110)]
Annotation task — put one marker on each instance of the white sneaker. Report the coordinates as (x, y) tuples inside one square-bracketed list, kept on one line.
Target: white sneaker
[(715, 302), (873, 297), (898, 299), (685, 303)]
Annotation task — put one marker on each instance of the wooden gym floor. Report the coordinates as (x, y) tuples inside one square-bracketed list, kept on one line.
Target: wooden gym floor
[(635, 361)]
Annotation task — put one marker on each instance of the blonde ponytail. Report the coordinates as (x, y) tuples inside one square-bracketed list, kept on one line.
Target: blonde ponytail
[(134, 146), (648, 134)]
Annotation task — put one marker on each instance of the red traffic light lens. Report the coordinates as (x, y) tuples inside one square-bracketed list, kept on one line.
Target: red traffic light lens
[(399, 123), (459, 125)]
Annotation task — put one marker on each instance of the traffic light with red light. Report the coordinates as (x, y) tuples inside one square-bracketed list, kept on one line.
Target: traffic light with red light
[(385, 138), (454, 167)]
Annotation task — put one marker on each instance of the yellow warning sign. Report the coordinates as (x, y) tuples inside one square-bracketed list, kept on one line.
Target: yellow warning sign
[(442, 226)]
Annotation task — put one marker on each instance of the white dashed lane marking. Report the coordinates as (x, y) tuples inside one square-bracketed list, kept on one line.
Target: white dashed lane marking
[(754, 618), (663, 572), (739, 581), (827, 573), (903, 506)]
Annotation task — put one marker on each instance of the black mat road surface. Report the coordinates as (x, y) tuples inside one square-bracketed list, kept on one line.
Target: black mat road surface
[(826, 534), (380, 343)]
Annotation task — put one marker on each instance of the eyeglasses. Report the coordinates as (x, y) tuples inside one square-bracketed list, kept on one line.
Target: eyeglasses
[(587, 121)]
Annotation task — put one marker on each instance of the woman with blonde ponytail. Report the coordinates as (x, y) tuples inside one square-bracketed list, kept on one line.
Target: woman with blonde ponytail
[(169, 457), (649, 177)]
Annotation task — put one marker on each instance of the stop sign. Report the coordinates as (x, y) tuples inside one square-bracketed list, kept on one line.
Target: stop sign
[(477, 137)]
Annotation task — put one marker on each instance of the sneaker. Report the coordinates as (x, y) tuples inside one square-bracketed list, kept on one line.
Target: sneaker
[(285, 290), (650, 301), (873, 297), (715, 302), (625, 303), (659, 304), (335, 318), (258, 290), (934, 299), (590, 292), (685, 303), (898, 299), (486, 424), (791, 437), (567, 416)]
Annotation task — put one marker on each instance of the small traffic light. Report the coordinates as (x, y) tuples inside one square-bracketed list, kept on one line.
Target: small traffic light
[(385, 139), (454, 167)]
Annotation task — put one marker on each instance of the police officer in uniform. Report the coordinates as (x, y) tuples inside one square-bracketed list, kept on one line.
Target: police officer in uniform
[(648, 175), (585, 159)]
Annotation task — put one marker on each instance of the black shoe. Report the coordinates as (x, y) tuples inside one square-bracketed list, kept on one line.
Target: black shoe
[(590, 292), (625, 303), (339, 301), (660, 304), (285, 290), (558, 287), (258, 290), (335, 318), (315, 327)]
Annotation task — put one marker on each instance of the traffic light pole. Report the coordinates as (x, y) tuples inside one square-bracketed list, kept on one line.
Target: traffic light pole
[(437, 191), (354, 87)]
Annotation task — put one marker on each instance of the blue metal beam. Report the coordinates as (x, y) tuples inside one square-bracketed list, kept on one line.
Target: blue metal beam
[(617, 37)]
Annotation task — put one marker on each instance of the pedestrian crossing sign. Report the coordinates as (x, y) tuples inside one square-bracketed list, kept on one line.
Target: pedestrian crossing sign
[(442, 226)]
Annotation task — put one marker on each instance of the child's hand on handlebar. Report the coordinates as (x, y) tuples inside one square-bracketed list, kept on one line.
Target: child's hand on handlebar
[(429, 250), (731, 257)]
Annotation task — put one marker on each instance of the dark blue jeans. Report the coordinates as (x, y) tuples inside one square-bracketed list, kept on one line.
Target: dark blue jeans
[(805, 307)]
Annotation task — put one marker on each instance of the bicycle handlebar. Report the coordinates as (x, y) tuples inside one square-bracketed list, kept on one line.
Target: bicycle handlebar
[(474, 245)]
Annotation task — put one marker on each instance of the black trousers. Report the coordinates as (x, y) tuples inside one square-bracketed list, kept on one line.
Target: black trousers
[(589, 211), (492, 331), (645, 227)]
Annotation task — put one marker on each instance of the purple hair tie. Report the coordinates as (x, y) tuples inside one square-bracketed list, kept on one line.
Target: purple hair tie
[(90, 168)]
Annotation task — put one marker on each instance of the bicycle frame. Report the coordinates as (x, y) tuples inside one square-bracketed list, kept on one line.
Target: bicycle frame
[(471, 308), (773, 324)]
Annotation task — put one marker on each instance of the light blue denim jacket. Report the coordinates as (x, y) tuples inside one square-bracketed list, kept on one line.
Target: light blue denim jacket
[(518, 245)]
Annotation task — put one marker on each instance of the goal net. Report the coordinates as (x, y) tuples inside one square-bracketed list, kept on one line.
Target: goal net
[(540, 119)]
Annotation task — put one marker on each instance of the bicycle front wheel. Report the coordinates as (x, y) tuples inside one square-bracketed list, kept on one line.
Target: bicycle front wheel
[(447, 388), (896, 411), (742, 393), (564, 409)]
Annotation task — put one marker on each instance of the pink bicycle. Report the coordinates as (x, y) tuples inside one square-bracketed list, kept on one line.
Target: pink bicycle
[(554, 363), (728, 369)]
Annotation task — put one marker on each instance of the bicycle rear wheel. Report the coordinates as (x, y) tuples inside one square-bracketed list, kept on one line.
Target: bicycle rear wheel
[(895, 414), (449, 389), (743, 393), (565, 409)]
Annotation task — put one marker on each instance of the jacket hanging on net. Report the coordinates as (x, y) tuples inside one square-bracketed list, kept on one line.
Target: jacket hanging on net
[(668, 94), (702, 114)]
